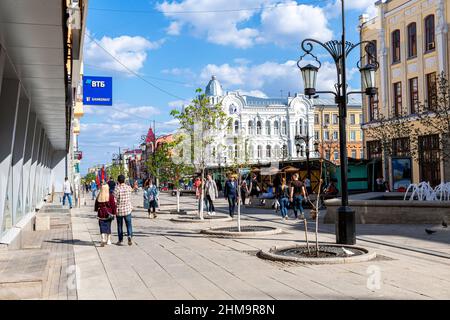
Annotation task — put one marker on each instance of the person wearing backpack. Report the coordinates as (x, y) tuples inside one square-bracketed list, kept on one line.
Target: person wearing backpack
[(105, 206)]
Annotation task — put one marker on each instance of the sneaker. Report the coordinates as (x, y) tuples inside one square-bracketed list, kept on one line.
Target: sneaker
[(102, 244), (209, 213), (302, 217), (119, 243), (129, 241), (109, 242)]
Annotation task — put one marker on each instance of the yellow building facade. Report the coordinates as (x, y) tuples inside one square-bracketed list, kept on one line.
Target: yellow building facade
[(411, 38), (326, 129)]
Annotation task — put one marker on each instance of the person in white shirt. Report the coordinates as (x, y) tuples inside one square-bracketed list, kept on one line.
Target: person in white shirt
[(67, 192)]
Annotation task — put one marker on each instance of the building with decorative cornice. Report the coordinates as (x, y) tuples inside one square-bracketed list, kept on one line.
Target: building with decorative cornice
[(412, 50), (261, 129)]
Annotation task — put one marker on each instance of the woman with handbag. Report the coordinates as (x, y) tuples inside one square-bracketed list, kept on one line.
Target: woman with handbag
[(106, 208)]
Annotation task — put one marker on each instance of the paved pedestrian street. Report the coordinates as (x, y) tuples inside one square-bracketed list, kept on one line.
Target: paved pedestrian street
[(172, 260)]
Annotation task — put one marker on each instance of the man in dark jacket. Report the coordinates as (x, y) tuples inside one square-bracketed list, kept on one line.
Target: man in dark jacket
[(231, 193)]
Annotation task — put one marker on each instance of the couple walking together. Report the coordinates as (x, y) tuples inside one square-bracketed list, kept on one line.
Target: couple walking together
[(114, 204)]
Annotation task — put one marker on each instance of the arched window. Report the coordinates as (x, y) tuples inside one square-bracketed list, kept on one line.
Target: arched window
[(429, 33), (268, 151), (258, 127), (250, 127), (268, 127), (230, 127), (284, 128), (236, 126), (230, 152), (301, 126), (276, 152), (285, 151), (412, 40), (396, 46), (259, 151), (276, 128), (236, 153), (296, 128)]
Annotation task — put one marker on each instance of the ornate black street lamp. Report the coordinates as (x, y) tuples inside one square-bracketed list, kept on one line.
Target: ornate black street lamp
[(339, 50), (298, 140)]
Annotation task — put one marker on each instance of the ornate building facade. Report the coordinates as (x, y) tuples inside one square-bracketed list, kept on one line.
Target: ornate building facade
[(261, 130)]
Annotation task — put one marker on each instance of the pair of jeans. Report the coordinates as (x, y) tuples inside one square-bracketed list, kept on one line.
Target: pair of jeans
[(120, 220), (152, 206), (284, 205), (231, 204), (93, 194), (298, 205), (209, 204), (69, 196)]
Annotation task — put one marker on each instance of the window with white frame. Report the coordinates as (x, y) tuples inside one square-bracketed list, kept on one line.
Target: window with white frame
[(250, 127), (259, 152), (276, 128), (268, 151), (268, 127), (284, 128), (258, 127), (352, 135)]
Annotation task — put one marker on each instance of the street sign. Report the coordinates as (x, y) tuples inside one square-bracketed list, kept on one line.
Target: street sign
[(97, 91), (78, 155)]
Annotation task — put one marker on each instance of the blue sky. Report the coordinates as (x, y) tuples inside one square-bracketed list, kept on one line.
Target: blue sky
[(177, 46)]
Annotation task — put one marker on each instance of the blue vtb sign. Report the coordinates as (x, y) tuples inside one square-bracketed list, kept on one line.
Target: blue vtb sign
[(97, 91)]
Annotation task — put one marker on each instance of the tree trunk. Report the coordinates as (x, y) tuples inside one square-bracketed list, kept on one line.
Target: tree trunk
[(178, 199), (239, 202), (202, 194)]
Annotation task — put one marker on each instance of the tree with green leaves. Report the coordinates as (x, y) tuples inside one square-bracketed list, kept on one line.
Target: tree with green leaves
[(89, 177), (114, 171), (199, 122), (158, 160), (175, 168)]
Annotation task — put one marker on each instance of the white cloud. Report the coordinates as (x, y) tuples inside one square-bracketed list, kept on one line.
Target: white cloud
[(130, 51), (254, 93), (284, 25), (269, 77), (218, 27), (364, 6), (144, 112), (177, 104)]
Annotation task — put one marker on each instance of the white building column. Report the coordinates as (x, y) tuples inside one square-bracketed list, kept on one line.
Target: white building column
[(38, 137), (441, 37), (9, 99), (27, 159), (20, 132)]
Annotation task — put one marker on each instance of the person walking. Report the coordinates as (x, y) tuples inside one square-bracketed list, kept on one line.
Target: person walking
[(67, 192), (93, 189), (283, 198), (105, 206), (111, 185), (211, 193), (244, 190), (152, 196), (254, 189), (230, 192), (122, 193), (307, 184), (297, 194)]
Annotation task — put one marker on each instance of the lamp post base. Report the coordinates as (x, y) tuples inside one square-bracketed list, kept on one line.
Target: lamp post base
[(345, 226)]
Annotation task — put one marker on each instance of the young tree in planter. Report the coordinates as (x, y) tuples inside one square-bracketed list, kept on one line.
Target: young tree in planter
[(434, 118), (199, 121), (239, 162)]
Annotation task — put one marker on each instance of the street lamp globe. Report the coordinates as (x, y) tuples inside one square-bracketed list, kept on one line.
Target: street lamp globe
[(309, 74), (368, 77)]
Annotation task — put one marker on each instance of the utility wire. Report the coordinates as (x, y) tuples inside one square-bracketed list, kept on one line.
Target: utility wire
[(154, 11), (133, 72), (145, 76)]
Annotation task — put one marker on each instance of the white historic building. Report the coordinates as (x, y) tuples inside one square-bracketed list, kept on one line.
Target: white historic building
[(264, 127)]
